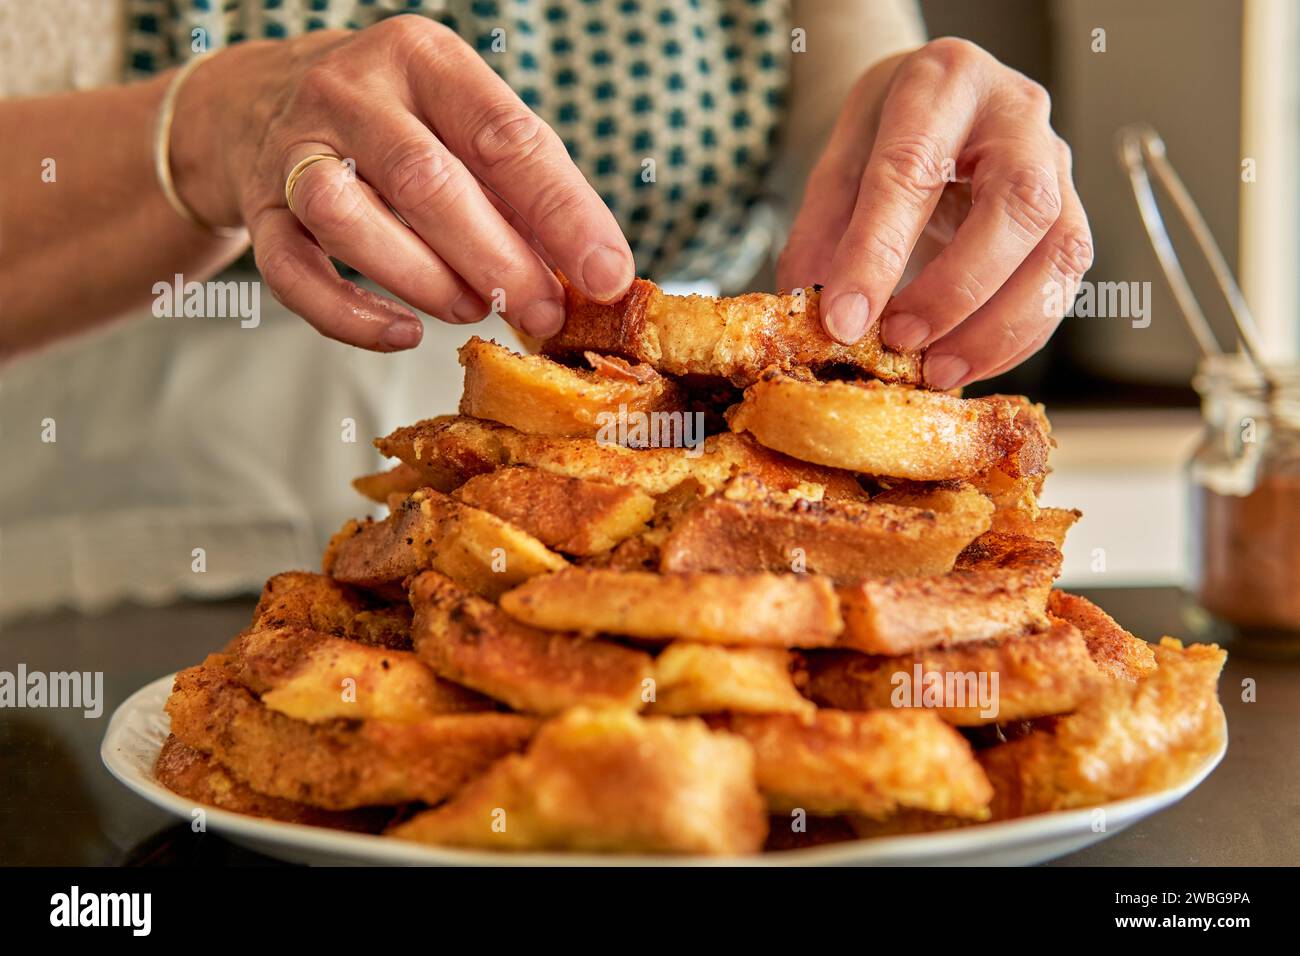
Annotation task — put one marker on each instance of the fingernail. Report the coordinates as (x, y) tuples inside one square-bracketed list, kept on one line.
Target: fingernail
[(403, 334), (945, 371), (905, 331), (543, 318), (847, 317), (468, 308), (606, 272)]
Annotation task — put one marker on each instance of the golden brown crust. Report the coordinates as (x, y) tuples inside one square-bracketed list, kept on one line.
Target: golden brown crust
[(843, 540), (541, 397), (893, 431), (1048, 524), (609, 781), (792, 610), (432, 531), (1133, 738), (196, 776), (314, 677), (304, 599), (572, 515), (1037, 675), (342, 764), (473, 642), (1115, 651), (734, 338), (380, 486), (450, 450), (999, 586), (695, 678), (872, 763)]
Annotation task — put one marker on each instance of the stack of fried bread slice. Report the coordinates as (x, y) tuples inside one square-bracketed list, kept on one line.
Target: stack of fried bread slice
[(697, 580)]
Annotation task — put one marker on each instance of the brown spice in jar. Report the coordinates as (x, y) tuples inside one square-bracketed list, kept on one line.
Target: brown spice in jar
[(1250, 554)]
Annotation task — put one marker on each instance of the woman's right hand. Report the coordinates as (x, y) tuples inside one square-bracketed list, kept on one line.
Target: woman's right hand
[(490, 194)]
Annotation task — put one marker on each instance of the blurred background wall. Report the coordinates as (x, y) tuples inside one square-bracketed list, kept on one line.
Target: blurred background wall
[(1218, 80)]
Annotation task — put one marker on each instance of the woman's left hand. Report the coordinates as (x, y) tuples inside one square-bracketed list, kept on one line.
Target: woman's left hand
[(961, 148)]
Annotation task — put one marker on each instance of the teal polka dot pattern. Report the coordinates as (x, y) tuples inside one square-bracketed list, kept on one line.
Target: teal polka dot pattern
[(671, 108)]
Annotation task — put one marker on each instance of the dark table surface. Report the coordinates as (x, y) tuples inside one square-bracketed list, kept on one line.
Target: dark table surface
[(58, 805)]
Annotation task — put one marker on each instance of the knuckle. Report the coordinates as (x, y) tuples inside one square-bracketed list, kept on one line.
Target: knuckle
[(1035, 94), (967, 292), (507, 132), (410, 32), (1013, 338), (886, 248), (554, 206), (952, 54), (914, 165), (500, 274), (280, 268), (321, 86), (1064, 155), (1032, 200), (1071, 255), (416, 42), (420, 176), (328, 203)]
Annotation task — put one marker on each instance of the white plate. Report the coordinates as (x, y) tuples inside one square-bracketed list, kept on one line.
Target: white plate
[(139, 727)]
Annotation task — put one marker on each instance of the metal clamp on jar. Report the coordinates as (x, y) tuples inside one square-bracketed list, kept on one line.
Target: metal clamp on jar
[(1245, 474)]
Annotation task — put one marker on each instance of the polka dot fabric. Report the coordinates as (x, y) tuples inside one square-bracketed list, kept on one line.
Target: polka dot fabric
[(670, 107)]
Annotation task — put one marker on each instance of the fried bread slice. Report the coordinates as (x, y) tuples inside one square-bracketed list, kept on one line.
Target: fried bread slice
[(733, 338), (196, 776), (769, 610), (341, 764), (609, 781), (1115, 651), (1016, 509), (401, 480), (314, 677), (539, 396), (1037, 675), (304, 599), (1050, 524), (430, 530), (893, 431), (576, 516), (1135, 737), (695, 678), (843, 540), (872, 763), (999, 585), (450, 450), (473, 642)]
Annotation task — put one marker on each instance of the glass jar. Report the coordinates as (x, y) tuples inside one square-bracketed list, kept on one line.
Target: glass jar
[(1245, 493)]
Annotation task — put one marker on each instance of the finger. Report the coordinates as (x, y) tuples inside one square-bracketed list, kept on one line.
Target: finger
[(443, 203), (829, 196), (1027, 352), (518, 224), (1016, 198), (1021, 316), (926, 119), (521, 158), (351, 223), (301, 277), (822, 220)]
